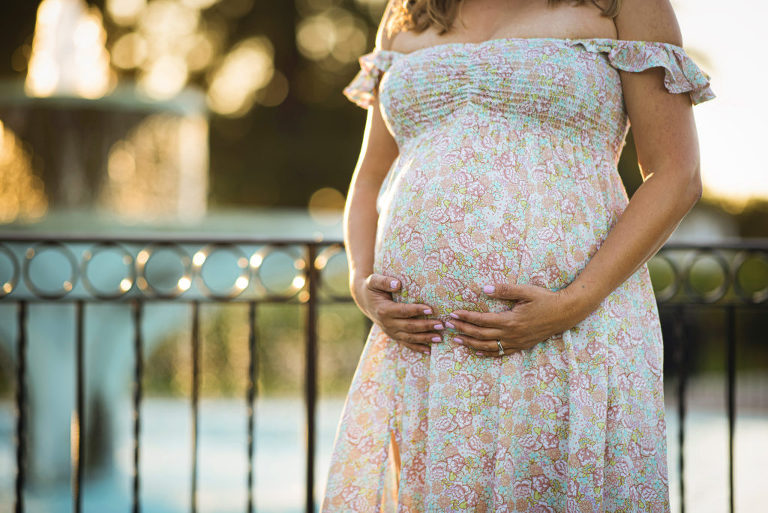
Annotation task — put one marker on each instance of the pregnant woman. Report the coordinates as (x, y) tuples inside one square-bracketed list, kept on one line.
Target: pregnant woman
[(515, 360)]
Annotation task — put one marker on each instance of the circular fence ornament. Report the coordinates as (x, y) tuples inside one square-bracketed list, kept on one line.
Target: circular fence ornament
[(98, 256), (35, 254)]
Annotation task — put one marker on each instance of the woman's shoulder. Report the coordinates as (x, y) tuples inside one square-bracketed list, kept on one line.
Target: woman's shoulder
[(649, 37), (648, 20)]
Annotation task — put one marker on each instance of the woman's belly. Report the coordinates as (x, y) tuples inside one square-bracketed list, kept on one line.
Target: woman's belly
[(453, 222)]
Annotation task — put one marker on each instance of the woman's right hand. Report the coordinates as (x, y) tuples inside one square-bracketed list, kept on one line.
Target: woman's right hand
[(400, 321)]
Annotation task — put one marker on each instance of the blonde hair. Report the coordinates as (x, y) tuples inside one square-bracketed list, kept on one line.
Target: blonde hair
[(419, 15)]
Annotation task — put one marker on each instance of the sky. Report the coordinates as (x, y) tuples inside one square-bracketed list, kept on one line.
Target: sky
[(727, 40)]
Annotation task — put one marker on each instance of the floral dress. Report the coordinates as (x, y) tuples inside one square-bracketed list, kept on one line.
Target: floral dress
[(507, 173)]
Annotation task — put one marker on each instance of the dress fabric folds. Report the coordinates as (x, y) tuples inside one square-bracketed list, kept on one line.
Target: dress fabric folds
[(506, 173)]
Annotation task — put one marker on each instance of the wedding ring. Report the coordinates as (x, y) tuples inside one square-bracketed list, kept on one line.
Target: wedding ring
[(501, 349)]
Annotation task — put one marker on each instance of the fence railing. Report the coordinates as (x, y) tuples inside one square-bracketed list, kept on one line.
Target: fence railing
[(728, 276)]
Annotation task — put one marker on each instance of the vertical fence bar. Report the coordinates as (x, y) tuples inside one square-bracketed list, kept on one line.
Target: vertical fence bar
[(251, 397), (731, 395), (195, 382), (21, 407), (138, 350), (77, 423), (311, 374), (681, 355)]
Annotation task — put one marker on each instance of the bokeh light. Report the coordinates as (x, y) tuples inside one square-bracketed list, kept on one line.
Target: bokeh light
[(125, 12), (164, 77), (334, 33), (129, 51), (22, 194), (159, 169), (68, 53), (326, 206), (245, 70), (165, 45)]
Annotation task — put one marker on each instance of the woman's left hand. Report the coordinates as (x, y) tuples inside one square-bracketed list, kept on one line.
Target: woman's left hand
[(538, 313)]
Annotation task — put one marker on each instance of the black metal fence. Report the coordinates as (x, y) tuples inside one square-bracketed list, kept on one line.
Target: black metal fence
[(729, 277)]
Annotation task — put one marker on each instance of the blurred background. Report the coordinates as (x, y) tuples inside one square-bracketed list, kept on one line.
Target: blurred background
[(202, 123)]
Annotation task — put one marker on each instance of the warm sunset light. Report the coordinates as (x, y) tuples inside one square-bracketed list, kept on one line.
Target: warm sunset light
[(332, 33), (247, 68), (731, 129), (198, 259), (125, 12), (68, 54), (256, 260), (326, 206), (137, 187), (209, 299), (22, 195), (184, 283), (241, 283)]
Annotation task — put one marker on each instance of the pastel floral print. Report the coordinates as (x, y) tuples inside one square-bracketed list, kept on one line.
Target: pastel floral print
[(507, 173)]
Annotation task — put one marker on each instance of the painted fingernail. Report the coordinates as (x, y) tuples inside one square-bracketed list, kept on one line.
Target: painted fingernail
[(449, 324), (393, 284), (428, 311), (436, 339), (438, 326), (480, 353), (488, 289), (454, 315), (457, 339)]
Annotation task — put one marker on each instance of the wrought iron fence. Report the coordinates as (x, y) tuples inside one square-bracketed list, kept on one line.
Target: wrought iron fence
[(730, 277)]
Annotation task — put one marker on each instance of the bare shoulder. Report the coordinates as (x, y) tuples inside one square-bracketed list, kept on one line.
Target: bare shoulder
[(648, 20)]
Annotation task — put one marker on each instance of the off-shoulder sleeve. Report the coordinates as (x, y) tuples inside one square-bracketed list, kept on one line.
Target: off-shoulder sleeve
[(372, 65), (681, 73)]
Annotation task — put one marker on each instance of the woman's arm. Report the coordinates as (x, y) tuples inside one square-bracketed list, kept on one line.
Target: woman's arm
[(664, 132), (373, 292), (360, 216), (377, 154)]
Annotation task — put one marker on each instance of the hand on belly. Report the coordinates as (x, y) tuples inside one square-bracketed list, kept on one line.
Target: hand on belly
[(537, 315)]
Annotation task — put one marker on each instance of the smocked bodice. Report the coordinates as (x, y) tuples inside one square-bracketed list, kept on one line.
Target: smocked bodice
[(568, 87)]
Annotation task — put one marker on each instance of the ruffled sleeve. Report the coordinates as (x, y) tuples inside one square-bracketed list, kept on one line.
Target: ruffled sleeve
[(681, 73), (372, 65)]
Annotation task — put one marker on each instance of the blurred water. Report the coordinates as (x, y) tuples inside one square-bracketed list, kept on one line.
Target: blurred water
[(165, 461), (222, 463)]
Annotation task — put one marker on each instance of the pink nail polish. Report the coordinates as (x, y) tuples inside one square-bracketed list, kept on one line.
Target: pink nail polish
[(458, 340), (428, 311), (436, 339), (438, 326), (449, 324), (393, 284), (488, 289), (454, 315)]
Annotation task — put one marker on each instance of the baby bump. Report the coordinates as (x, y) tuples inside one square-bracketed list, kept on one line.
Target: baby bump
[(445, 238), (441, 270)]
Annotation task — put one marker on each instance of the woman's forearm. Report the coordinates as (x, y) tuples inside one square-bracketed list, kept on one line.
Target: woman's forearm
[(360, 221), (653, 213)]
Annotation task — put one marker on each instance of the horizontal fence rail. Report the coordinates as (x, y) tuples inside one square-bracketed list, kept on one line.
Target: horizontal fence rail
[(306, 272)]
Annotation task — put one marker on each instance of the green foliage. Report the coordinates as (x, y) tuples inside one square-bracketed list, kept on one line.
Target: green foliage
[(280, 352)]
